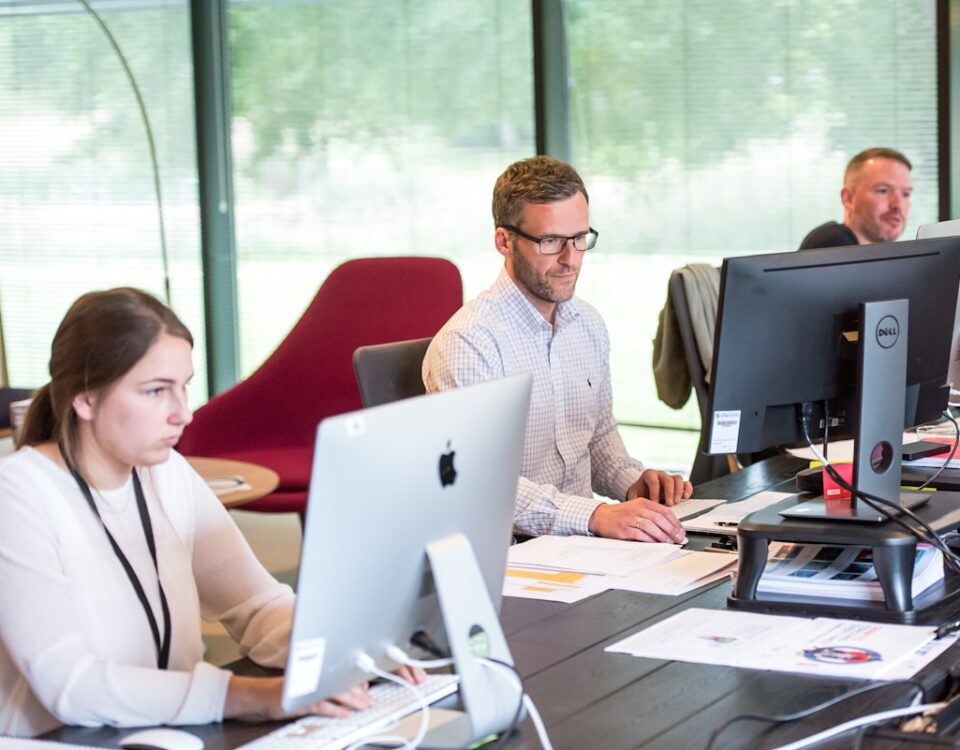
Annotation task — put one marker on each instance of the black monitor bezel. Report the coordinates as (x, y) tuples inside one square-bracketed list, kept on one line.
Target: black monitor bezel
[(761, 311)]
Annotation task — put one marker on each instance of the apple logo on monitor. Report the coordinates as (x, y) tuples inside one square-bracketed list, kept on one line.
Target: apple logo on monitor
[(448, 474)]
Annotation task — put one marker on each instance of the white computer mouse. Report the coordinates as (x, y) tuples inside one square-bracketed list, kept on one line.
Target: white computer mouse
[(161, 738)]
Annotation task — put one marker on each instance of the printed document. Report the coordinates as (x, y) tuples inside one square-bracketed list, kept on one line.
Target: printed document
[(724, 518), (678, 575), (552, 586), (845, 572), (568, 569), (825, 646), (588, 554), (694, 505)]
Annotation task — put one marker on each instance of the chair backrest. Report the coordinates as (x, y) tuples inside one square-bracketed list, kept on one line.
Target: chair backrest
[(681, 311), (390, 372), (310, 375), (705, 467)]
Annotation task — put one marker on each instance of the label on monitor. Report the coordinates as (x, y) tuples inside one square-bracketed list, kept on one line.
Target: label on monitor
[(303, 674), (726, 432)]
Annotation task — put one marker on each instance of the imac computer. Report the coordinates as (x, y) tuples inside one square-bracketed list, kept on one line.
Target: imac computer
[(409, 518), (853, 339), (949, 228)]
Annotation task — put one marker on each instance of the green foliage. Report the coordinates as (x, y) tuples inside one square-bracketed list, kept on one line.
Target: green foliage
[(375, 72), (698, 80)]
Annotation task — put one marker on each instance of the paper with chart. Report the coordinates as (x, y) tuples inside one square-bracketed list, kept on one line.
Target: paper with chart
[(554, 586), (840, 572), (567, 569), (825, 646)]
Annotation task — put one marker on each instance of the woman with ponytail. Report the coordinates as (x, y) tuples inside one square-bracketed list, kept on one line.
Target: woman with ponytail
[(112, 548)]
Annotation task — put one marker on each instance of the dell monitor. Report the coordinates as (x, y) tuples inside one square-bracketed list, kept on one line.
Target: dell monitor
[(854, 337), (409, 517)]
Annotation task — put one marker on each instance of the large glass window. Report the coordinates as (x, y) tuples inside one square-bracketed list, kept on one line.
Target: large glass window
[(364, 127), (77, 204), (707, 129)]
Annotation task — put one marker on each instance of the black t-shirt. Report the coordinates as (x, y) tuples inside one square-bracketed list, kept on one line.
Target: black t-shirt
[(830, 234)]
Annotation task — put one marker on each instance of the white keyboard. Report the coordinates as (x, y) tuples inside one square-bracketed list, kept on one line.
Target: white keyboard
[(393, 702)]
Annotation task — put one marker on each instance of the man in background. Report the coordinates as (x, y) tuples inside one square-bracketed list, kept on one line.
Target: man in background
[(876, 201), (529, 321)]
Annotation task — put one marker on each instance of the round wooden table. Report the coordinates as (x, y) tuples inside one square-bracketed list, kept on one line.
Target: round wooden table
[(223, 474)]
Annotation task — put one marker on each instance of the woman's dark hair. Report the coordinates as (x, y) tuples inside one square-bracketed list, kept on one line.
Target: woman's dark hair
[(102, 336)]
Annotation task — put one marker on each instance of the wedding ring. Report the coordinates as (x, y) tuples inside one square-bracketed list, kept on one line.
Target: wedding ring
[(636, 524)]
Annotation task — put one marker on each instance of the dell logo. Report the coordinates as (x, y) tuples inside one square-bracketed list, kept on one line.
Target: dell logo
[(888, 331)]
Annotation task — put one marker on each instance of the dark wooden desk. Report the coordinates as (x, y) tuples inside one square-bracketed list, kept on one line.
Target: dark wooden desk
[(592, 699)]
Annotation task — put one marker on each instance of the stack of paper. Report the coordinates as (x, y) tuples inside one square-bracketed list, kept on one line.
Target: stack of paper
[(694, 505), (570, 568), (844, 648), (590, 554), (840, 572), (724, 518)]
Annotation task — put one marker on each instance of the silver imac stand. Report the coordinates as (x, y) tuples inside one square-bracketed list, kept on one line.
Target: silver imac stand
[(473, 630)]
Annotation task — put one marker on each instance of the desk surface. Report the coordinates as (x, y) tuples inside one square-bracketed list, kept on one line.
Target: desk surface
[(589, 698)]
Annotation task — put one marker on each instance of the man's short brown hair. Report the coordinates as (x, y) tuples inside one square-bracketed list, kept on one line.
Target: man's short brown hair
[(540, 179), (878, 152)]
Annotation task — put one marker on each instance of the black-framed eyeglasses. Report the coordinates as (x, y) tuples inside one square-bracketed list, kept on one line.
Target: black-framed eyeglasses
[(552, 244)]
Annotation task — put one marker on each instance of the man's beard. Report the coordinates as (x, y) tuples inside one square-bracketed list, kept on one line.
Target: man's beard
[(539, 286), (877, 231)]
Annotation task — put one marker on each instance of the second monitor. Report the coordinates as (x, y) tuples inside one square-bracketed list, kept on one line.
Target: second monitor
[(408, 523), (854, 339)]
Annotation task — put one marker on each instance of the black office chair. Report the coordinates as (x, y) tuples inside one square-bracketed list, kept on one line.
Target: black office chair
[(390, 372)]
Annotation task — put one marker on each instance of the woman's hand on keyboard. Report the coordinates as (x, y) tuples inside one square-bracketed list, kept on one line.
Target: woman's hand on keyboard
[(411, 674), (259, 699)]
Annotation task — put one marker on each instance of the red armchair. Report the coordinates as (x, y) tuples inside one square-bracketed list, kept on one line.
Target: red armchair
[(271, 417)]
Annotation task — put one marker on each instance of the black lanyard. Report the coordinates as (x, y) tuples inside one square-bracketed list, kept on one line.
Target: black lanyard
[(163, 646)]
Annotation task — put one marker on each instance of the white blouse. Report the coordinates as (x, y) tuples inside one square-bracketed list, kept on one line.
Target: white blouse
[(75, 643)]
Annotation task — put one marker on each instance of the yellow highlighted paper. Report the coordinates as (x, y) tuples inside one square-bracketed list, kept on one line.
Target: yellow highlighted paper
[(540, 575)]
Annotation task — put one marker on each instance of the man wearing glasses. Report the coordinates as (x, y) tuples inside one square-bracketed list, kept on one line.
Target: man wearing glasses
[(528, 321)]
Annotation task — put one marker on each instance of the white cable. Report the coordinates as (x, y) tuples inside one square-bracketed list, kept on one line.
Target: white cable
[(817, 454), (367, 664), (402, 657), (537, 722), (859, 722), (527, 700)]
